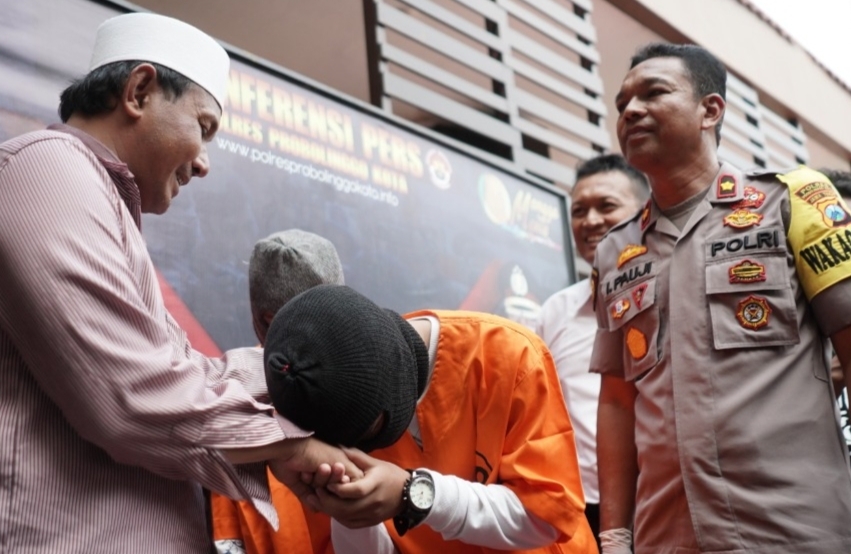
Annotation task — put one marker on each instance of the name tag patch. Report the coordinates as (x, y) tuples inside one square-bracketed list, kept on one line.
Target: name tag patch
[(628, 276), (751, 241)]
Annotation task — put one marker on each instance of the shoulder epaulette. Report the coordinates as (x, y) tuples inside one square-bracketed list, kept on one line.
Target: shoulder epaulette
[(769, 174), (802, 175)]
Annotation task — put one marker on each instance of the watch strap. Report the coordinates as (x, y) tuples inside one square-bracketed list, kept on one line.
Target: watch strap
[(409, 517)]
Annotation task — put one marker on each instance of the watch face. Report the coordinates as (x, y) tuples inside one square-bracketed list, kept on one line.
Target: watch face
[(421, 493)]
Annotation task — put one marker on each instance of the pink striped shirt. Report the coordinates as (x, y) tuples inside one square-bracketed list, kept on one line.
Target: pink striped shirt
[(109, 421)]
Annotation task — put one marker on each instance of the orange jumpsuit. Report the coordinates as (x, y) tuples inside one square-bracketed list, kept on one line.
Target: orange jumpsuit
[(493, 413), (301, 531)]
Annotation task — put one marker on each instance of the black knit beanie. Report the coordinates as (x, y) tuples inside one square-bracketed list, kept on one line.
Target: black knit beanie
[(335, 362)]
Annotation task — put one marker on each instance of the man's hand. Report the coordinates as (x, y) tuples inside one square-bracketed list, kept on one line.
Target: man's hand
[(373, 499), (313, 464)]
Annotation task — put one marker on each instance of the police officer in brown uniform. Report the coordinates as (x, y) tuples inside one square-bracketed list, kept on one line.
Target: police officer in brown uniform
[(716, 424)]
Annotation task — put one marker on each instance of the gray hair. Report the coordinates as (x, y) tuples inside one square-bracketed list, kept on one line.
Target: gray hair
[(288, 263)]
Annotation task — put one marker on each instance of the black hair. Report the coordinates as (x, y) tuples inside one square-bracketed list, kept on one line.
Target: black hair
[(705, 72), (616, 162), (99, 90), (840, 179)]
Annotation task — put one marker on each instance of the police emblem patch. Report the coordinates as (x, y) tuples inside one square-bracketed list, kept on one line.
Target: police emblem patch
[(742, 219), (638, 295), (753, 199), (636, 343), (619, 308), (753, 312), (727, 186), (746, 272), (631, 251), (823, 197), (834, 214)]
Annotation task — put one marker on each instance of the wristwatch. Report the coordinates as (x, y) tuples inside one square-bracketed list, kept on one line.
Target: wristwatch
[(417, 500)]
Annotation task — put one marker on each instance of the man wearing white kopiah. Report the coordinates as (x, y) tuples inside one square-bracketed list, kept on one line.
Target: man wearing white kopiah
[(109, 421)]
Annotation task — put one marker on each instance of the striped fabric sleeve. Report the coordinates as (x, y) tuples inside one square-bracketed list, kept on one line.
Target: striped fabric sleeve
[(89, 323)]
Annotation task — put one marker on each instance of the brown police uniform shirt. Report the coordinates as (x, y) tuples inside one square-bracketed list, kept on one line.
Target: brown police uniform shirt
[(718, 327)]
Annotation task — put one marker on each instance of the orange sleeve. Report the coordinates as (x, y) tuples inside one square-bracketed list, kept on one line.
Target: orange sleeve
[(301, 532), (319, 527), (225, 518), (539, 460)]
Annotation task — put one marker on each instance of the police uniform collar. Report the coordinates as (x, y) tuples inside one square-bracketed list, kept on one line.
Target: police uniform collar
[(727, 187), (636, 217)]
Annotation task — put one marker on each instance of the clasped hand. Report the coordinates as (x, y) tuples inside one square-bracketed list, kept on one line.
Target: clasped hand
[(355, 501)]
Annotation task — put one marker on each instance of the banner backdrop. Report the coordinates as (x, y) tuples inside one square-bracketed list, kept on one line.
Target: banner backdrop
[(417, 223)]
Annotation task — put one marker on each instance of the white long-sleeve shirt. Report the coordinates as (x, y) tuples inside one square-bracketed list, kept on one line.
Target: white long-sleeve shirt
[(568, 326)]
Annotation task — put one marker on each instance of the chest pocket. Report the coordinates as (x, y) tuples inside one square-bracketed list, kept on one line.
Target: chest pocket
[(634, 312), (751, 302)]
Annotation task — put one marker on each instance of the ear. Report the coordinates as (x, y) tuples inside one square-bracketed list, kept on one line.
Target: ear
[(262, 321), (140, 86), (713, 110)]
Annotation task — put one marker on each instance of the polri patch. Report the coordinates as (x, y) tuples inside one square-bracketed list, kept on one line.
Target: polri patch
[(753, 312), (746, 271), (727, 186), (619, 308), (636, 343), (631, 251), (638, 295), (752, 241), (753, 199), (742, 219)]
